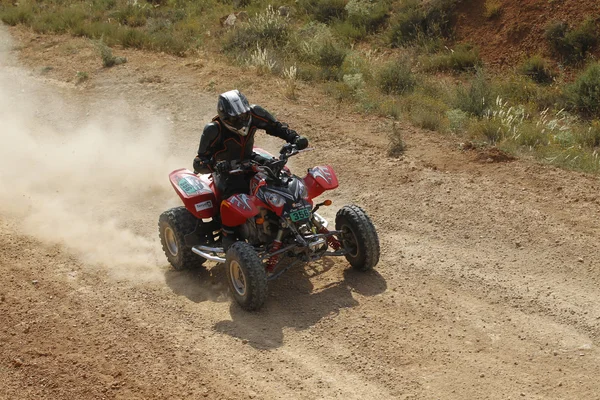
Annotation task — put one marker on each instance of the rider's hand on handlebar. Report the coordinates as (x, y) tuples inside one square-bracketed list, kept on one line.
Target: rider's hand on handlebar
[(222, 167), (301, 142)]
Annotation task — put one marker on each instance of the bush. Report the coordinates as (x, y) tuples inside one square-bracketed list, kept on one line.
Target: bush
[(572, 45), (325, 10), (396, 78), (463, 58), (531, 135), (330, 58), (490, 129), (135, 39), (457, 120), (538, 69), (589, 137), (396, 146), (493, 9), (476, 97), (21, 14), (585, 92), (366, 14), (267, 29), (425, 111), (416, 21)]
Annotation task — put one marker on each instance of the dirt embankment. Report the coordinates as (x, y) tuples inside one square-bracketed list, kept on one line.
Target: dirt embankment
[(487, 286), (517, 32)]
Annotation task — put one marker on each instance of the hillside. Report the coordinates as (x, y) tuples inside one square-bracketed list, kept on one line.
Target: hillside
[(517, 31)]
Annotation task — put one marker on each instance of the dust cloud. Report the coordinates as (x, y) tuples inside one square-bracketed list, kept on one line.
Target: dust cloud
[(81, 178)]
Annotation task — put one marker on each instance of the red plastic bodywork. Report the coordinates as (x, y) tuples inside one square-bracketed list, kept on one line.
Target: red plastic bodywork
[(320, 179), (238, 208), (196, 192)]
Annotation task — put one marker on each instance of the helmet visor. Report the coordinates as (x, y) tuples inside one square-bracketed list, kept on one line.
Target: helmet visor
[(239, 121)]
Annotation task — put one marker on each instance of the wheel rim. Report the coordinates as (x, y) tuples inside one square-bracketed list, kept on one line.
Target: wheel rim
[(171, 241), (349, 241), (238, 279)]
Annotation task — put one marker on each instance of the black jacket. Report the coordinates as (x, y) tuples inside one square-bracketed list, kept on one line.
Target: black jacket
[(218, 143)]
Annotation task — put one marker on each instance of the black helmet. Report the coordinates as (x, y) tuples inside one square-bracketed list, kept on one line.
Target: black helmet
[(234, 111)]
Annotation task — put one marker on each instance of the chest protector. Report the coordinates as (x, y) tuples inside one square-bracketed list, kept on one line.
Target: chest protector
[(232, 146)]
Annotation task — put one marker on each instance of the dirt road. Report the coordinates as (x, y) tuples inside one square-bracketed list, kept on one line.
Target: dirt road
[(487, 287)]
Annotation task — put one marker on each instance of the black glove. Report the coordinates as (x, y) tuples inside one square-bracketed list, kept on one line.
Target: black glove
[(301, 142), (198, 164), (222, 167)]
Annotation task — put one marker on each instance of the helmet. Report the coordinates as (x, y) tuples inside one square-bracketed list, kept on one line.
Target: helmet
[(234, 111)]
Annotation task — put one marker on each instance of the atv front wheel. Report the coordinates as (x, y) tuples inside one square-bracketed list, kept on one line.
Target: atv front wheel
[(173, 225), (246, 276), (359, 237)]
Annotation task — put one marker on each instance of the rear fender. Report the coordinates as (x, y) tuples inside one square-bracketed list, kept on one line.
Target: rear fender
[(238, 208), (320, 179), (196, 192)]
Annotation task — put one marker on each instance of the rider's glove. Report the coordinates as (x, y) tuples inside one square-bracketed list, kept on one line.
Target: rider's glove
[(301, 142), (222, 167), (198, 164)]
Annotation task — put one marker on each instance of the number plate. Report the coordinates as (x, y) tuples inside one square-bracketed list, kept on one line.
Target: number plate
[(300, 215)]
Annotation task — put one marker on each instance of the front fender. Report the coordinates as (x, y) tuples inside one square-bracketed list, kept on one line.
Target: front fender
[(320, 179), (238, 208)]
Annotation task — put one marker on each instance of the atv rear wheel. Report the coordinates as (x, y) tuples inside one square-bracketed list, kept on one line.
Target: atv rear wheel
[(173, 225), (246, 276), (359, 237)]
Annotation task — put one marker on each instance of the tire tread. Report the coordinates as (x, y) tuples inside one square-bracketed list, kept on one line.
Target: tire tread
[(356, 216)]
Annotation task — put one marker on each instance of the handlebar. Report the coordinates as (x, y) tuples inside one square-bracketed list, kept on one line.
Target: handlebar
[(273, 169)]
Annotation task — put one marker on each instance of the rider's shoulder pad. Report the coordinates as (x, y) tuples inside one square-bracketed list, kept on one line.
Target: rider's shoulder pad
[(262, 113), (211, 130)]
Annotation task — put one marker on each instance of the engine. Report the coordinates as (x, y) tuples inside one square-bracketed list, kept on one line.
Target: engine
[(257, 234)]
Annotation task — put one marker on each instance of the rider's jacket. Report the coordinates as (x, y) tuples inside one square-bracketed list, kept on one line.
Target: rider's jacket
[(218, 143)]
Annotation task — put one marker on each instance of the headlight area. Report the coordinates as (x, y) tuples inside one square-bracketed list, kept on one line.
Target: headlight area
[(274, 199)]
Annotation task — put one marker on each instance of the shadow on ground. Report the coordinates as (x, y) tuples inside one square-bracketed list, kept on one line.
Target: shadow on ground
[(294, 303), (199, 284)]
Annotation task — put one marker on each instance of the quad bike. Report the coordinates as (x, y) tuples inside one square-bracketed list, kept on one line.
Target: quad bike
[(277, 223)]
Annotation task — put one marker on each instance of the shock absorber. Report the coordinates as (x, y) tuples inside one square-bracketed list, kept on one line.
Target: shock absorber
[(331, 241), (272, 261)]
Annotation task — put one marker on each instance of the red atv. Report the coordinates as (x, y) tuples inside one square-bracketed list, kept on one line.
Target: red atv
[(277, 222)]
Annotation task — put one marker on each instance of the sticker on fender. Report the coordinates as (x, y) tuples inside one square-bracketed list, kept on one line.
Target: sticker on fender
[(204, 205)]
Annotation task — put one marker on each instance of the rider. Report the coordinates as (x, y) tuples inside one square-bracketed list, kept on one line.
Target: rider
[(230, 137)]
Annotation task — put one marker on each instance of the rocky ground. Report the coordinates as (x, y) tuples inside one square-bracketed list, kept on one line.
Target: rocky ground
[(487, 286)]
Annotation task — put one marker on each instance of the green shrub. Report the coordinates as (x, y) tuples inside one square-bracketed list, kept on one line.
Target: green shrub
[(267, 29), (396, 78), (23, 13), (325, 10), (572, 45), (415, 20), (463, 58), (131, 15), (396, 145), (585, 92), (366, 15), (108, 59), (425, 111), (538, 69), (493, 9), (330, 58), (348, 31), (589, 136), (476, 97), (531, 135), (457, 120), (135, 39), (489, 129)]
